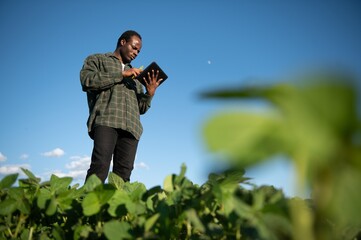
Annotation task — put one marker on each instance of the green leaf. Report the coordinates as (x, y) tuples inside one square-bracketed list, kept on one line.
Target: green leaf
[(58, 233), (120, 197), (135, 208), (168, 183), (22, 203), (183, 171), (105, 194), (52, 207), (44, 197), (82, 232), (66, 198), (151, 221), (91, 183), (59, 184), (194, 219), (136, 190), (91, 204), (8, 181), (7, 206), (116, 180), (115, 230), (251, 138), (31, 176)]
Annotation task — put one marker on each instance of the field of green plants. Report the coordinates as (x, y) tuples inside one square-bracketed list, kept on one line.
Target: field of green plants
[(219, 209), (314, 123)]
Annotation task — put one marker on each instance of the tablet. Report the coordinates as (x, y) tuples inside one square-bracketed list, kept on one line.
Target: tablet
[(153, 66)]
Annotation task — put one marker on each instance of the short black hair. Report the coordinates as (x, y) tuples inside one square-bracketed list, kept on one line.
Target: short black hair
[(127, 35)]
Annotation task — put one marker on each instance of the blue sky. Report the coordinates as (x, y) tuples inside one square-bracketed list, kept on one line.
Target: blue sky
[(202, 45)]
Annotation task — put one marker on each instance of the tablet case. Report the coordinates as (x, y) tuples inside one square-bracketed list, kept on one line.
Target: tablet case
[(153, 66)]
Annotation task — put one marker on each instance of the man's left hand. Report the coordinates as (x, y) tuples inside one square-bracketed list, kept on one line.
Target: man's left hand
[(152, 82)]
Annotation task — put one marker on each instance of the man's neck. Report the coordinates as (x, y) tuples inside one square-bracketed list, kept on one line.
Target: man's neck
[(117, 55)]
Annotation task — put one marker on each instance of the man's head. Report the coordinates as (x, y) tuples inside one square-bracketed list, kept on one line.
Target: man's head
[(129, 45)]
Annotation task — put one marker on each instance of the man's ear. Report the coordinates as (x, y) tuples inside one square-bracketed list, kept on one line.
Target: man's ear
[(122, 42)]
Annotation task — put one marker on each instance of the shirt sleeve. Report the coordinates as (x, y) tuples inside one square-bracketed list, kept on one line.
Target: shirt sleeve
[(144, 99), (92, 77), (144, 102)]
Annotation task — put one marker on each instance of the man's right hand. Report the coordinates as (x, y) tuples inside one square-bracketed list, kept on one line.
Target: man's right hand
[(131, 72)]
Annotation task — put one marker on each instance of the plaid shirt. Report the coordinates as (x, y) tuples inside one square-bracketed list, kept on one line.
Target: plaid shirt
[(113, 101)]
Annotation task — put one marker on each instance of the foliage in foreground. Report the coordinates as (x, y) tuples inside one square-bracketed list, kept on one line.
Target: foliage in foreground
[(314, 123), (219, 209)]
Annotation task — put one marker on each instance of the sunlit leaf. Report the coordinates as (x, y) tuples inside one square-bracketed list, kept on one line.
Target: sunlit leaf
[(52, 206), (244, 138), (8, 180), (92, 182), (91, 204), (59, 184), (135, 190), (151, 221), (168, 183), (115, 230), (120, 197), (194, 219), (30, 174), (116, 180), (44, 197), (7, 206)]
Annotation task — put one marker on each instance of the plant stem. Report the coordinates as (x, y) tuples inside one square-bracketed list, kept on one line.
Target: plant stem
[(31, 233), (10, 233), (21, 220)]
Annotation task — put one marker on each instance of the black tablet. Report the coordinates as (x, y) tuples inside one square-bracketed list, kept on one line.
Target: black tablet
[(153, 66)]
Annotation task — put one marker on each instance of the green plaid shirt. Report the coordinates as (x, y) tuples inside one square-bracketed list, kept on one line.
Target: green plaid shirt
[(113, 101)]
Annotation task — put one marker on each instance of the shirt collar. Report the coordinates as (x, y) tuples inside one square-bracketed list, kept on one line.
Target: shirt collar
[(111, 54)]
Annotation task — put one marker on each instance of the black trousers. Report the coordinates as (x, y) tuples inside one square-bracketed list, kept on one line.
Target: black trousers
[(109, 142)]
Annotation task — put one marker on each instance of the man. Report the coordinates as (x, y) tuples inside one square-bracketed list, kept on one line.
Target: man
[(115, 101)]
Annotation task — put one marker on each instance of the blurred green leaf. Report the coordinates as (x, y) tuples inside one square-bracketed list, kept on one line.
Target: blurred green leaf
[(120, 197), (116, 180), (43, 197), (168, 183), (250, 137), (91, 204), (91, 183), (7, 206), (104, 193), (8, 181), (82, 232), (22, 203), (52, 207), (115, 230), (315, 124), (194, 219), (135, 190), (150, 222), (32, 179), (59, 184)]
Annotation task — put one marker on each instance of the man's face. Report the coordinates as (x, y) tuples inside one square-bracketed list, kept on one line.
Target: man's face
[(129, 50)]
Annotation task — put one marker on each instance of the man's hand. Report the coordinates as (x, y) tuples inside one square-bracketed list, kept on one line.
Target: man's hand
[(131, 72), (152, 82)]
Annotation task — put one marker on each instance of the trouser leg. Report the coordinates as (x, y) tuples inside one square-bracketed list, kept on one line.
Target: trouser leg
[(105, 139), (124, 154)]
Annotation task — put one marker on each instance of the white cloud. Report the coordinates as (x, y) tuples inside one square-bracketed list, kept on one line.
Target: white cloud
[(24, 156), (76, 174), (2, 157), (57, 152), (14, 168), (141, 165), (79, 163), (77, 168)]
